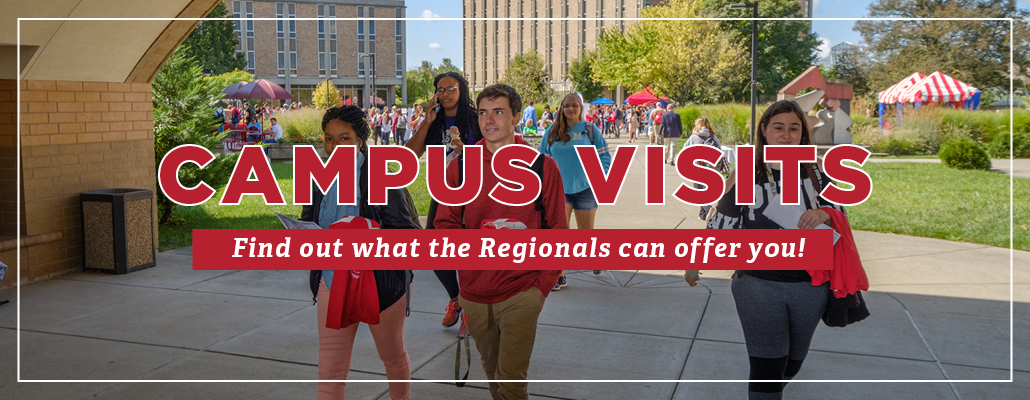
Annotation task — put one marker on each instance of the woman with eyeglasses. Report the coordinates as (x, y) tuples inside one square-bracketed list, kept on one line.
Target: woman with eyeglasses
[(450, 107)]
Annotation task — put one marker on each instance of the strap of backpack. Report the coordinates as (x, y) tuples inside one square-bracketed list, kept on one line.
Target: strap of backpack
[(538, 169), (590, 132), (463, 335), (461, 179), (407, 294)]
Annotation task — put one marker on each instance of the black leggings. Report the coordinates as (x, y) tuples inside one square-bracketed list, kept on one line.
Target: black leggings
[(449, 279), (779, 320)]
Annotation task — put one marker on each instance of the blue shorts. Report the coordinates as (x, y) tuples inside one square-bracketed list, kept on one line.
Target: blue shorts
[(582, 201)]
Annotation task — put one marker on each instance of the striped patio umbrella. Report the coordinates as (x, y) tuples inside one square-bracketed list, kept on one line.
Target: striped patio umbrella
[(890, 96), (937, 87)]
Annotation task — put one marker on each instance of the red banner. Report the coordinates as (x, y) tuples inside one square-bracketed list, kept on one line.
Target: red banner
[(483, 249)]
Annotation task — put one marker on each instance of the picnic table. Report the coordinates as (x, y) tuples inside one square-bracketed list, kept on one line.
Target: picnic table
[(237, 138)]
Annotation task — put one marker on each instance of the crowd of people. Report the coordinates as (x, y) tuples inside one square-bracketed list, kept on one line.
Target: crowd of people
[(779, 310)]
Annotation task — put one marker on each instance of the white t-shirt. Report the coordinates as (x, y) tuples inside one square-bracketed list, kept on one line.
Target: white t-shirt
[(277, 131)]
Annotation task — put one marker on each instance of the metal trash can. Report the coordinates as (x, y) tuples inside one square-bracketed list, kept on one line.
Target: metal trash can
[(118, 230)]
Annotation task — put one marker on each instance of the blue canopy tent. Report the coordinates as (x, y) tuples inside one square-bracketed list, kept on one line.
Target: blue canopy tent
[(603, 101), (972, 103)]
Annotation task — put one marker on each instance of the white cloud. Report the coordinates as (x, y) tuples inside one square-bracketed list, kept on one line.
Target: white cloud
[(435, 46), (429, 14), (816, 6), (824, 48)]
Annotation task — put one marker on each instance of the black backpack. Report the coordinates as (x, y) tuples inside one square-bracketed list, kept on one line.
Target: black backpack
[(537, 168)]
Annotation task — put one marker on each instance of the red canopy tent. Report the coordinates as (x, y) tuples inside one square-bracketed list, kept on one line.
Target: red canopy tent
[(891, 94), (937, 87), (644, 97)]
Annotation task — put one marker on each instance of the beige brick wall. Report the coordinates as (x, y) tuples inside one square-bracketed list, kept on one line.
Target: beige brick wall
[(307, 40), (347, 40), (265, 48), (75, 137)]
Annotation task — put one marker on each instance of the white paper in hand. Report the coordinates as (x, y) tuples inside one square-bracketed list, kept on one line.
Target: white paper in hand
[(787, 216), (290, 223)]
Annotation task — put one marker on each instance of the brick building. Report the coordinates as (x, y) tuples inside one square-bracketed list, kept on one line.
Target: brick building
[(300, 54), (86, 119), (489, 44)]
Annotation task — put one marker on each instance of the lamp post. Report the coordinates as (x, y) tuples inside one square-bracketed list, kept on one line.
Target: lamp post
[(754, 66), (372, 72)]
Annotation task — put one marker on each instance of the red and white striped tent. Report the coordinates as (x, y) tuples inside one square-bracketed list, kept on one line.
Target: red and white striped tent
[(937, 87), (891, 94)]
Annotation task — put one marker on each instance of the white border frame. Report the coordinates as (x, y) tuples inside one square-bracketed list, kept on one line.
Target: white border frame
[(1011, 253)]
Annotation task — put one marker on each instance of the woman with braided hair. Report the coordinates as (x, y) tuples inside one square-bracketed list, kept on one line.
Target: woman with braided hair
[(450, 107), (348, 126)]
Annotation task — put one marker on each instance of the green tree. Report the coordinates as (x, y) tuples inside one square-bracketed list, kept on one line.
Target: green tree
[(526, 73), (685, 60), (183, 115), (213, 44), (225, 80), (326, 94), (785, 49), (580, 71), (971, 51)]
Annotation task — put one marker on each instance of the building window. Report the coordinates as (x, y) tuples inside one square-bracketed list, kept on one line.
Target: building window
[(291, 42), (399, 38), (361, 41), (372, 31), (249, 9), (280, 39), (244, 30), (327, 40)]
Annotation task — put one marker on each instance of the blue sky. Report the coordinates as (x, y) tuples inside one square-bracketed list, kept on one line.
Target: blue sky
[(436, 40)]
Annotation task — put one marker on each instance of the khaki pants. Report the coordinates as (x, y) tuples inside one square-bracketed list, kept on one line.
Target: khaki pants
[(670, 149), (504, 334)]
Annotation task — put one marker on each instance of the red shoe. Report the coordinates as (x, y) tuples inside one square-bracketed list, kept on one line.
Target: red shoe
[(451, 314)]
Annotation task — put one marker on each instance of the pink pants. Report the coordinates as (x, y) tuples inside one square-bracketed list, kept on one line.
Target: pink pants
[(335, 346)]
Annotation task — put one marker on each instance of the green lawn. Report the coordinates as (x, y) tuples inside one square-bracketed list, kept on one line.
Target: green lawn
[(931, 200), (917, 199)]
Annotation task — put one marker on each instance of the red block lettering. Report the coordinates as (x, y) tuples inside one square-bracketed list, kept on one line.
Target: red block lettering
[(790, 159), (308, 166), (520, 175), (744, 175), (168, 175), (707, 176), (606, 187), (436, 175), (252, 161), (654, 182), (833, 166), (380, 180)]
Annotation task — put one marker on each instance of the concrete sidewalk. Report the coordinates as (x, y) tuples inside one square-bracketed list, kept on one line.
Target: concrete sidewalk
[(940, 310)]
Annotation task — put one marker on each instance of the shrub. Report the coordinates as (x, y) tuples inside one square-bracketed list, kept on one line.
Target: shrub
[(306, 123), (964, 153), (999, 147), (898, 145)]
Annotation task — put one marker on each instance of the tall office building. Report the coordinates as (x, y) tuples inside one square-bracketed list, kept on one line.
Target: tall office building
[(488, 45), (300, 54)]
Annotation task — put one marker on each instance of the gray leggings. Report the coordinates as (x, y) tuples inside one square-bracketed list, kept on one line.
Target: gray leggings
[(779, 319)]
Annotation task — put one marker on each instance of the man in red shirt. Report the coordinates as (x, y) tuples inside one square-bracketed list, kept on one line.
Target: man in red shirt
[(502, 306)]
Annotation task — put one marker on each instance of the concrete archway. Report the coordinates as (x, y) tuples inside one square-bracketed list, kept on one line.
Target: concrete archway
[(86, 116)]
